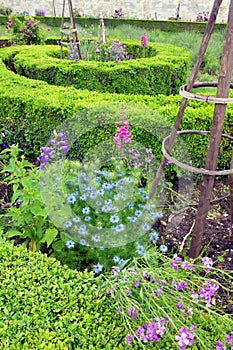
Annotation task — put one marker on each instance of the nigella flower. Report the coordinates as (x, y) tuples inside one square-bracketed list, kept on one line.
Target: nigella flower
[(163, 248), (98, 203), (145, 227), (76, 219), (98, 268), (96, 238), (116, 259), (87, 218), (70, 244), (154, 237), (86, 210), (83, 197), (82, 229), (119, 228), (71, 199), (100, 192), (138, 213), (140, 249), (82, 241), (67, 224), (132, 219), (114, 218)]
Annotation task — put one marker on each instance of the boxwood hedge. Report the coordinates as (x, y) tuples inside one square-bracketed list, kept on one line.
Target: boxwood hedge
[(32, 109), (155, 69), (46, 306)]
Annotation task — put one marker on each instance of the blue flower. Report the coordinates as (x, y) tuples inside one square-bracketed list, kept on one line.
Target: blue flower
[(163, 248), (116, 259), (76, 219), (98, 268), (96, 238), (106, 208), (114, 218), (70, 244), (67, 224), (98, 203), (82, 241), (138, 212), (119, 228), (83, 197), (108, 201), (153, 237), (86, 210), (132, 219), (87, 218), (145, 227), (100, 192), (82, 229), (106, 186), (71, 199), (140, 249)]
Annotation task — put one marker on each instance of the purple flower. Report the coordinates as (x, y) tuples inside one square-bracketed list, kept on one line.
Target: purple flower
[(129, 338), (173, 265), (184, 337), (208, 292), (132, 313), (64, 148), (207, 262), (220, 346), (61, 135)]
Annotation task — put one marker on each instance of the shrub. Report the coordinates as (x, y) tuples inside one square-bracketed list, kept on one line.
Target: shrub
[(46, 306), (25, 32), (162, 70), (32, 109)]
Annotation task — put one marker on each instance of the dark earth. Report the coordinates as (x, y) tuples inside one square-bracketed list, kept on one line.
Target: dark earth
[(217, 239)]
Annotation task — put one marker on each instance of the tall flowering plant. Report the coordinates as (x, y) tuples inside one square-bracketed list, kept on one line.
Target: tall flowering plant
[(25, 32), (101, 204)]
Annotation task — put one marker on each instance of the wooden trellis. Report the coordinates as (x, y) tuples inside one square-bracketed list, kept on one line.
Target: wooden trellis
[(68, 32), (221, 100)]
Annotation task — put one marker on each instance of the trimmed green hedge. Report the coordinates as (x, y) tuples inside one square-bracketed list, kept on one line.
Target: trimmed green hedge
[(167, 26), (46, 306), (163, 70), (31, 110)]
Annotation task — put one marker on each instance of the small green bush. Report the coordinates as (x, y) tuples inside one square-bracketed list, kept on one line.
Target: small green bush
[(46, 306)]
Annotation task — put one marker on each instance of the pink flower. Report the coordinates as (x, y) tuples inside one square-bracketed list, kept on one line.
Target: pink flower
[(143, 40)]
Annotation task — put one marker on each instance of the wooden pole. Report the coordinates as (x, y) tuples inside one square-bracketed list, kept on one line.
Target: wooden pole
[(203, 47), (72, 22), (231, 193), (224, 81)]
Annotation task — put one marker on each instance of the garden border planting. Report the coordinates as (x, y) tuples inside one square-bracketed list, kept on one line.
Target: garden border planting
[(162, 70)]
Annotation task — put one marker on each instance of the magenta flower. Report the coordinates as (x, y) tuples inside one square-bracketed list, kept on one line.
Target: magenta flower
[(184, 338), (143, 40)]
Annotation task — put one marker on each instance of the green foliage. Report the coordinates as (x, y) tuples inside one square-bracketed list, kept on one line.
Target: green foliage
[(33, 109), (26, 31), (26, 216), (162, 70), (46, 306)]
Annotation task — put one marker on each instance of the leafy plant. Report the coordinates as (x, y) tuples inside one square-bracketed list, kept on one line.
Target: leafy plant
[(25, 32), (25, 215)]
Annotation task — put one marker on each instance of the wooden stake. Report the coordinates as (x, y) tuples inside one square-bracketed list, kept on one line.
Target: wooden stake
[(224, 81), (203, 47)]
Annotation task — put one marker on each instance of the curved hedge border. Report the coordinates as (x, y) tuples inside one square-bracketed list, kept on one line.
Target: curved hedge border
[(44, 306), (32, 109), (163, 70)]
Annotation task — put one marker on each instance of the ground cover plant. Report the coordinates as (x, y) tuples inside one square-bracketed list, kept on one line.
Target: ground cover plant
[(156, 299)]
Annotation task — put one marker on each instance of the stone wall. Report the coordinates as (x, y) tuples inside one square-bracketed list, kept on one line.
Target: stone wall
[(143, 9)]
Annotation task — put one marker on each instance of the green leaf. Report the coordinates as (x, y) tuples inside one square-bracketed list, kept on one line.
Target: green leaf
[(49, 236), (13, 233)]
